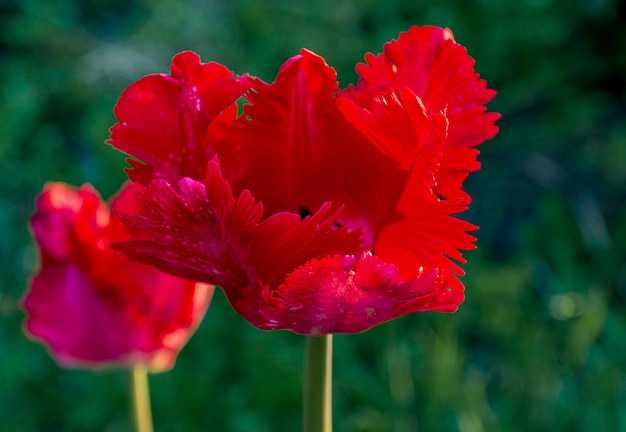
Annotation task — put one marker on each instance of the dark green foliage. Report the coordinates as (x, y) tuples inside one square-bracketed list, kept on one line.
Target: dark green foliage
[(539, 344)]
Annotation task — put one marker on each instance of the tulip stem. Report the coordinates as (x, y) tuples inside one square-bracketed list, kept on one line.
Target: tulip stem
[(140, 392), (317, 401)]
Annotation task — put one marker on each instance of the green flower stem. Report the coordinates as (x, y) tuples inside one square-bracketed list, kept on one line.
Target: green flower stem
[(318, 410), (140, 392)]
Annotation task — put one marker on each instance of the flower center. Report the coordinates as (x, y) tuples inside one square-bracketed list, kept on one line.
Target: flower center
[(304, 212)]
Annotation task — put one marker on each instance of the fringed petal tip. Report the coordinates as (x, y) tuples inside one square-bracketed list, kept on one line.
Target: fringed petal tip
[(345, 294)]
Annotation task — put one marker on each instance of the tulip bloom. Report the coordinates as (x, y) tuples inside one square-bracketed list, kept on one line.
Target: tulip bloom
[(89, 304), (318, 210)]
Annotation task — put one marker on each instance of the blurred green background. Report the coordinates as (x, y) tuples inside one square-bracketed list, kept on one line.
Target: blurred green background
[(539, 344)]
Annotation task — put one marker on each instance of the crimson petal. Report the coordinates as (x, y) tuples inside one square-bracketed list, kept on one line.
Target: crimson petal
[(297, 146), (415, 229), (346, 294), (277, 148), (428, 61), (163, 119), (203, 232)]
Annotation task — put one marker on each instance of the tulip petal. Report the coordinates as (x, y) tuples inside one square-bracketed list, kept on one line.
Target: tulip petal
[(202, 232), (415, 230), (438, 70), (297, 138), (86, 323), (294, 139), (163, 119), (281, 140), (345, 294)]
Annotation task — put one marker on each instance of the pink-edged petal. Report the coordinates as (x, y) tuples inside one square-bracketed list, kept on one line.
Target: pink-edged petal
[(203, 232), (163, 119), (66, 217), (86, 324), (428, 61), (162, 314), (346, 294), (89, 304), (65, 311)]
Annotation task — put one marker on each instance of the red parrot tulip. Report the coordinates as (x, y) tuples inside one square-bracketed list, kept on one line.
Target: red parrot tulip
[(89, 304), (317, 210)]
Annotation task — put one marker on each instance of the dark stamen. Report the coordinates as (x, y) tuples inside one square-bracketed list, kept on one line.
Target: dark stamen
[(304, 212)]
